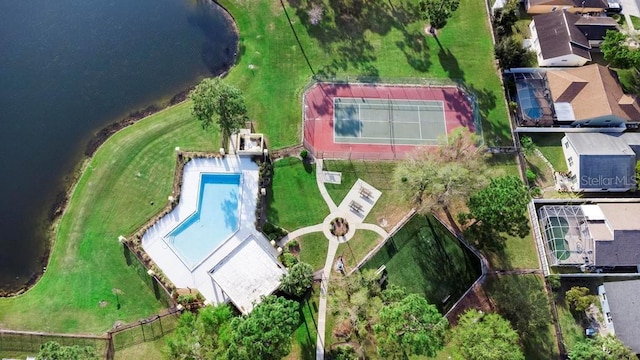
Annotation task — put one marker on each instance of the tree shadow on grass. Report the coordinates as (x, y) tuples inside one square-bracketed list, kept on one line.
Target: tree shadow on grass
[(309, 324), (342, 30), (486, 101), (450, 64), (271, 209), (415, 49), (522, 300), (446, 267)]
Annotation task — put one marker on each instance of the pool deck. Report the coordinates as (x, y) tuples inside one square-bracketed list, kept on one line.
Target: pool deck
[(200, 276)]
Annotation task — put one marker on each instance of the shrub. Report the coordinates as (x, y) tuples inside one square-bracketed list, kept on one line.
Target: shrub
[(554, 281), (273, 232), (288, 260), (293, 244), (531, 176), (528, 146), (304, 153), (511, 54), (185, 299), (536, 192)]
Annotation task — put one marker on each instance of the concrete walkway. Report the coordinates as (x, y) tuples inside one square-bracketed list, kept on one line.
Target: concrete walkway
[(322, 307), (297, 233), (354, 218), (323, 189), (630, 7), (373, 227)]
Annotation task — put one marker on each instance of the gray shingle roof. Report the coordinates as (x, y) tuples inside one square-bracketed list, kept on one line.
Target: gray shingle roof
[(598, 144), (606, 161), (624, 302), (558, 36)]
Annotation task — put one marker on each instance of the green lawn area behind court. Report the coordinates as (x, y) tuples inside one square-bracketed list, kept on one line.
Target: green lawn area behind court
[(294, 200), (392, 46)]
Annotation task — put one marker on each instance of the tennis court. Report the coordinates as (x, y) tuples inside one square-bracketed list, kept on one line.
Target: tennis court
[(388, 121)]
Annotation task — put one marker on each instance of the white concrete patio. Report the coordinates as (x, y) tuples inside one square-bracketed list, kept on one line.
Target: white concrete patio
[(213, 288)]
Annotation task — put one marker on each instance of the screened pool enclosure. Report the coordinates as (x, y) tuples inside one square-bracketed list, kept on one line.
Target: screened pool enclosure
[(566, 233)]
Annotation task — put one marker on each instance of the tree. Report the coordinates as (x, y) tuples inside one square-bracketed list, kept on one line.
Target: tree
[(355, 304), (511, 54), (214, 98), (500, 207), (578, 298), (528, 146), (601, 348), (204, 335), (410, 327), (617, 52), (437, 12), (505, 18), (298, 280), (266, 332), (54, 351), (433, 180), (481, 336)]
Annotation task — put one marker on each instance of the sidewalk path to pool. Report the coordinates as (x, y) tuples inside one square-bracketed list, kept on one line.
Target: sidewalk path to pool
[(355, 207)]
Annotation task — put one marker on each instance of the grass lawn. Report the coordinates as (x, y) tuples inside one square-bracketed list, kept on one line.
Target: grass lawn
[(294, 200), (425, 258), (503, 164), (635, 21), (572, 332), (145, 350), (354, 250), (551, 147), (134, 168), (629, 79), (304, 337), (394, 45), (389, 207), (131, 170), (518, 253), (544, 175), (521, 299), (313, 249)]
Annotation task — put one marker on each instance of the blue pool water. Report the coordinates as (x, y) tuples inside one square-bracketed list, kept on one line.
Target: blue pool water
[(215, 219)]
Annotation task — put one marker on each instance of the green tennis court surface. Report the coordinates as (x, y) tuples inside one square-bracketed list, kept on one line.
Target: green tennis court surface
[(381, 121)]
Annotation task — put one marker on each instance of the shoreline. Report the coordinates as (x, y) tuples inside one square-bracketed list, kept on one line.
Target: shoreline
[(57, 208)]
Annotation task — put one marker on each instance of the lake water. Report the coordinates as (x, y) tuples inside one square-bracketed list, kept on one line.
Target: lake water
[(67, 69)]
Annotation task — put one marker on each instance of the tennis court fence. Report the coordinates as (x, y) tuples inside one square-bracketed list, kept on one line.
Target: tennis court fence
[(348, 155)]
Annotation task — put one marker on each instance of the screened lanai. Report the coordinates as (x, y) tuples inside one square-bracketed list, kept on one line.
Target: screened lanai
[(566, 233), (534, 98)]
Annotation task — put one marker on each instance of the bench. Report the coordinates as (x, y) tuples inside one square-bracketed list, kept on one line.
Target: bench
[(355, 206), (366, 193)]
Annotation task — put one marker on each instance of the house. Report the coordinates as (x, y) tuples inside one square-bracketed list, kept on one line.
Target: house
[(620, 302), (601, 161), (573, 6), (588, 96), (592, 97), (592, 236), (561, 38)]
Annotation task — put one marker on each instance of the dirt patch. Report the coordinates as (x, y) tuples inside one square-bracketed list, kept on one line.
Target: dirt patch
[(475, 299), (103, 303)]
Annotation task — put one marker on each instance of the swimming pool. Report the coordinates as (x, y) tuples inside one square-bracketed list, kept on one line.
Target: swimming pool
[(214, 221)]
